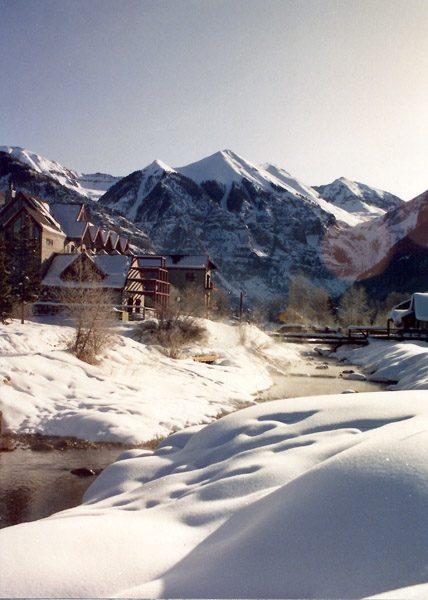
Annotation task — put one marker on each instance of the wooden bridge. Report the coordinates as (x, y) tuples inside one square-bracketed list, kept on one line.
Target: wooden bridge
[(356, 335)]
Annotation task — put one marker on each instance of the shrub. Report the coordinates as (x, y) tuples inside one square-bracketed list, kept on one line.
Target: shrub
[(171, 331)]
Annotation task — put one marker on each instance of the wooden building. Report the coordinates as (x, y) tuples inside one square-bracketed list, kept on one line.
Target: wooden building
[(21, 209), (195, 271), (134, 283), (150, 276), (84, 271)]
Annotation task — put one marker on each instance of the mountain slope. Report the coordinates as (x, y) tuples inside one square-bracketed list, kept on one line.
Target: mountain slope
[(89, 186), (229, 169), (404, 268), (358, 199), (354, 251)]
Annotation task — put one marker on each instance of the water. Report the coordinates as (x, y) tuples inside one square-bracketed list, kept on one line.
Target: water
[(308, 379), (34, 485)]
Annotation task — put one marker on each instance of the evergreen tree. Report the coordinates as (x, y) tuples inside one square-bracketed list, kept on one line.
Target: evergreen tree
[(6, 300), (25, 276)]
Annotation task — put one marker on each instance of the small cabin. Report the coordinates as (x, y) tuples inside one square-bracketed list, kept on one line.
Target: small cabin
[(412, 313)]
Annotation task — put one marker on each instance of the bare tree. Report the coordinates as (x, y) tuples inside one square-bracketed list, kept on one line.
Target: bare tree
[(381, 310), (354, 307), (90, 308), (311, 302)]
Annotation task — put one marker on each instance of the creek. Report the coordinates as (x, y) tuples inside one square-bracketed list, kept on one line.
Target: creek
[(316, 376), (36, 484)]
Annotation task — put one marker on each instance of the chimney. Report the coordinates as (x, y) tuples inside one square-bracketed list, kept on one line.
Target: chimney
[(10, 193)]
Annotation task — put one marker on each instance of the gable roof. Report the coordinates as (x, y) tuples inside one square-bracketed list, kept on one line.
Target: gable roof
[(35, 207), (67, 215), (114, 267)]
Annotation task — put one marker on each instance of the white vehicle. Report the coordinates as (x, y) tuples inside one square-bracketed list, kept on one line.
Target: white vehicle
[(412, 313)]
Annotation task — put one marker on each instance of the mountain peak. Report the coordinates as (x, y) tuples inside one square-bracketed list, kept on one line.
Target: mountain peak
[(226, 167), (358, 198), (157, 165)]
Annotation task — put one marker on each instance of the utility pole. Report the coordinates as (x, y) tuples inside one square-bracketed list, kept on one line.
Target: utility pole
[(240, 307)]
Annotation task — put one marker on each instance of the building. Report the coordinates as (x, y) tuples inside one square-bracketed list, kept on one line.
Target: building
[(108, 273), (191, 271), (58, 228), (148, 281), (21, 210)]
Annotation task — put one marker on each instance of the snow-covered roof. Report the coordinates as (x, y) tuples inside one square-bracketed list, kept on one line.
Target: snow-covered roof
[(94, 230), (180, 261), (149, 261), (66, 215), (40, 212), (115, 268)]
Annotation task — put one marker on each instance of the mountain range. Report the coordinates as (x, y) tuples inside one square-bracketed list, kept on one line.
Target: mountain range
[(259, 224)]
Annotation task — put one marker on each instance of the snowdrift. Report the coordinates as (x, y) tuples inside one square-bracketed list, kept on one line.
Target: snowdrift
[(136, 393), (302, 498)]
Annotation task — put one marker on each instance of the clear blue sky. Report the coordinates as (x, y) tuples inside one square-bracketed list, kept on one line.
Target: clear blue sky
[(322, 88)]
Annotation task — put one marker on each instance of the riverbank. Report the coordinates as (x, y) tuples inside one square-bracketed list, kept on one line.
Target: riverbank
[(37, 481)]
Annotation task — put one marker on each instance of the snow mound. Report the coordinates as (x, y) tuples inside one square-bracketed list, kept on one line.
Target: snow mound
[(136, 393), (302, 498)]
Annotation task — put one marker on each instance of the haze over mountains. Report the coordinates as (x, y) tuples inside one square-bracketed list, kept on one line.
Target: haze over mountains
[(259, 224)]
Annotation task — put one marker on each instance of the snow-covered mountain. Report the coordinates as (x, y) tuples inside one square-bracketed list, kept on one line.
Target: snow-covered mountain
[(258, 223), (87, 185), (36, 182), (361, 200), (229, 169), (352, 252)]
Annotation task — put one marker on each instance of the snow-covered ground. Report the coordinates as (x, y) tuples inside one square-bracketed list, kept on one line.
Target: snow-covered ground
[(136, 393), (325, 496), (405, 363)]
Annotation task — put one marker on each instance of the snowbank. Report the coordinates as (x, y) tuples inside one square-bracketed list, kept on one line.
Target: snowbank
[(137, 393), (302, 498), (405, 363)]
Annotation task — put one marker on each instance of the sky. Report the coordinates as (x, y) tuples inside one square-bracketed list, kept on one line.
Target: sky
[(321, 88)]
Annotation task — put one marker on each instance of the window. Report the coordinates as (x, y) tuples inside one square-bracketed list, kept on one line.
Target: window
[(190, 277), (49, 242)]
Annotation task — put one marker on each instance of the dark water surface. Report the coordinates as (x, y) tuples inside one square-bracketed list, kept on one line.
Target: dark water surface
[(34, 485)]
